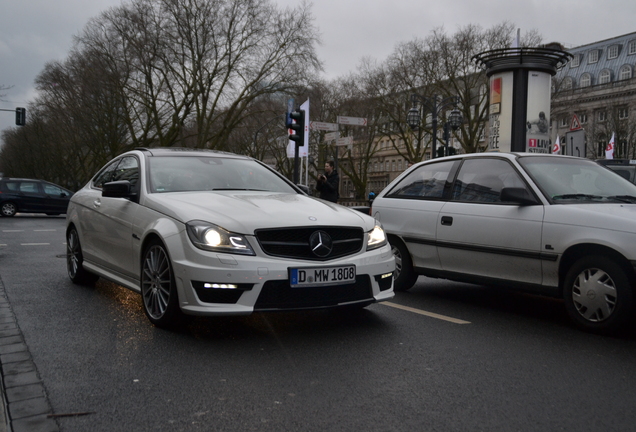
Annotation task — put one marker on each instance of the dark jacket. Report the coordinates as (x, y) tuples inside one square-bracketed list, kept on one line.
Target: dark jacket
[(329, 189)]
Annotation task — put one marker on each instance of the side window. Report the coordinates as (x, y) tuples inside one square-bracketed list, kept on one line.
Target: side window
[(29, 187), (481, 180), (12, 186), (49, 189), (105, 175), (128, 169), (427, 181)]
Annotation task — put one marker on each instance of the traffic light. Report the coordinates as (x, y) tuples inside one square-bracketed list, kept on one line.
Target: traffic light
[(298, 129), (20, 116)]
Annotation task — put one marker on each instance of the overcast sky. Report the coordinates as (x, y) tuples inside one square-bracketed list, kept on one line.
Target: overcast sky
[(33, 32)]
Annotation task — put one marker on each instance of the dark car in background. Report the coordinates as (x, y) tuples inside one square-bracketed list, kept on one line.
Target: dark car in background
[(624, 167), (18, 195)]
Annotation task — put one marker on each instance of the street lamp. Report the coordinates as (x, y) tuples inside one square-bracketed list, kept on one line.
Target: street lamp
[(435, 106), (453, 122)]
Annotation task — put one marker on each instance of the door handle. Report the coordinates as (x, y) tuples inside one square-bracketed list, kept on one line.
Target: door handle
[(447, 220), (97, 203)]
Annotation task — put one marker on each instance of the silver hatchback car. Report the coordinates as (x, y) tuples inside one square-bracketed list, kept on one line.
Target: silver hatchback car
[(554, 225)]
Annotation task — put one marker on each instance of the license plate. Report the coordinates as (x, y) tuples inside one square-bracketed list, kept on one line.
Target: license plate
[(322, 276)]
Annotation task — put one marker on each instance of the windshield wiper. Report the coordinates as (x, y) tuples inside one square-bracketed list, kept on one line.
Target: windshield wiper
[(577, 197), (623, 198), (240, 189)]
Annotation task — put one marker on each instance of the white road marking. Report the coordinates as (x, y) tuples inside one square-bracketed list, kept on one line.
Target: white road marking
[(428, 314), (35, 244), (45, 230), (12, 230)]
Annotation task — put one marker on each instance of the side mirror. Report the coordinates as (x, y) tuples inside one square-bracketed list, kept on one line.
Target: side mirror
[(117, 189), (520, 196), (303, 188)]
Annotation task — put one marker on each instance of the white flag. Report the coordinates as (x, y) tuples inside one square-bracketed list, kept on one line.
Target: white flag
[(609, 150), (556, 148)]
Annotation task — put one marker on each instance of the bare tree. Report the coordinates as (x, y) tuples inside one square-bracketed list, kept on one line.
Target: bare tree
[(175, 72), (437, 67)]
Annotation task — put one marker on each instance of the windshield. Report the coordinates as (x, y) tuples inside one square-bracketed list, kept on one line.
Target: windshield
[(184, 173), (565, 179)]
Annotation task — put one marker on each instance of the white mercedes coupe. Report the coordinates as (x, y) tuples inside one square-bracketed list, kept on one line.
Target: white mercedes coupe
[(200, 232)]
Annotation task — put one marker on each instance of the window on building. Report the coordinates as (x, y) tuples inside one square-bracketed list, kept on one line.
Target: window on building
[(568, 83), (576, 61), (583, 118), (612, 52), (563, 122), (586, 80), (623, 113), (605, 76), (602, 116), (593, 56), (631, 47), (625, 72)]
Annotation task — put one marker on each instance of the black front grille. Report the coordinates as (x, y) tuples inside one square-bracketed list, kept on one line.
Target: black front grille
[(294, 242), (278, 294)]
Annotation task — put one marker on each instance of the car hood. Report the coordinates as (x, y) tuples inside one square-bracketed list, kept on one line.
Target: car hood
[(620, 217), (245, 211)]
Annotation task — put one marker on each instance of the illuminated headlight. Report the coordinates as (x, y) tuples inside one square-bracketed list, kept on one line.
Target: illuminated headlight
[(377, 238), (207, 236)]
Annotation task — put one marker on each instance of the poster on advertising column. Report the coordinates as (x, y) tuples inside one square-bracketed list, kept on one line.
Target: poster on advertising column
[(500, 112), (538, 113)]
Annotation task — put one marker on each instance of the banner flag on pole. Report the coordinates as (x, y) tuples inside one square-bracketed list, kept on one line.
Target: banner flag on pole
[(609, 150), (556, 148)]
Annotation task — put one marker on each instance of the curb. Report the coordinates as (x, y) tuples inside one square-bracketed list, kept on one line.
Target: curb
[(25, 406)]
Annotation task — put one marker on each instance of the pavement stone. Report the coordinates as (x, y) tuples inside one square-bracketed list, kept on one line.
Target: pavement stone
[(24, 406)]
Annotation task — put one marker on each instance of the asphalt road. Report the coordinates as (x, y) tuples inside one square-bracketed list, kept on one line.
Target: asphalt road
[(442, 357)]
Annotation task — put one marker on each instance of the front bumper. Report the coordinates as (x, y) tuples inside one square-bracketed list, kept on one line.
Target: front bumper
[(211, 283)]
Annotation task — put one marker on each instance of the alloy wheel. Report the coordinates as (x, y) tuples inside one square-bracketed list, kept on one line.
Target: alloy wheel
[(156, 284), (73, 254)]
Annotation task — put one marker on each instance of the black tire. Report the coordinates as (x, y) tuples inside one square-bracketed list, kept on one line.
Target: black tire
[(8, 209), (598, 294), (158, 288), (404, 276), (75, 259)]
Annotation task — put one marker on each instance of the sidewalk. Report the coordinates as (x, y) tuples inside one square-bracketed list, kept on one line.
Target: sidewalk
[(25, 406)]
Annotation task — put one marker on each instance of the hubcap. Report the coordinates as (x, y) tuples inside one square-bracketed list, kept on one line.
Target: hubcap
[(8, 209), (594, 295), (156, 282)]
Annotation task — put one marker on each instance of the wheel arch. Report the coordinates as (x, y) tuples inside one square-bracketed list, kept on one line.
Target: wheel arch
[(151, 237), (394, 237), (574, 253)]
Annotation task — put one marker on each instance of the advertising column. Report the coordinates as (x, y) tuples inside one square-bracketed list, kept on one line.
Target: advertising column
[(520, 83)]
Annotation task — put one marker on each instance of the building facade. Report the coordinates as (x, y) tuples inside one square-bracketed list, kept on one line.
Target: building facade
[(598, 87)]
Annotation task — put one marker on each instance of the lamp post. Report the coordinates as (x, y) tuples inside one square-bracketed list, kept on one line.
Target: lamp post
[(453, 122), (434, 105)]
